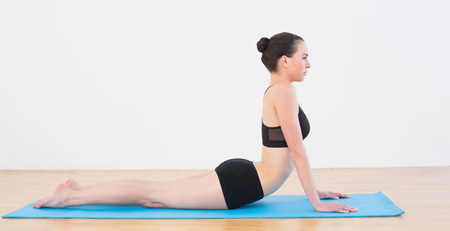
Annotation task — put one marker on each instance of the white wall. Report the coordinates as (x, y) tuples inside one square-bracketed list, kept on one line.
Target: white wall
[(179, 84)]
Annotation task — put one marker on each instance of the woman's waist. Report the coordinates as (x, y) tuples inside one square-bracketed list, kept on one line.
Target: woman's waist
[(273, 169)]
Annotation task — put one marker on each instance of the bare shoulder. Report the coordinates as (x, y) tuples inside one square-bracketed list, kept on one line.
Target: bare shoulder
[(285, 92)]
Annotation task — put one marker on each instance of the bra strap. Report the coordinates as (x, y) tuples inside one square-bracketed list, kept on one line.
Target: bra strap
[(268, 88)]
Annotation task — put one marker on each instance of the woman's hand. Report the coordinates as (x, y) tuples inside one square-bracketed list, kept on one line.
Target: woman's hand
[(331, 195), (334, 207)]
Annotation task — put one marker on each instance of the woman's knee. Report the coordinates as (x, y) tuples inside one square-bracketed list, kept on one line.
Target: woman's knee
[(153, 194), (155, 205)]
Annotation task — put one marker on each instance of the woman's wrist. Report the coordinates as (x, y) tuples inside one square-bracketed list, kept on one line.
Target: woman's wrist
[(316, 203)]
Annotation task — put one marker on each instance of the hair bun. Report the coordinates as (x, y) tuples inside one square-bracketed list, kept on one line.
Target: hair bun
[(262, 44)]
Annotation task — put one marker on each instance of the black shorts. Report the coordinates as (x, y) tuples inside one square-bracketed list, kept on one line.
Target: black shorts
[(240, 182)]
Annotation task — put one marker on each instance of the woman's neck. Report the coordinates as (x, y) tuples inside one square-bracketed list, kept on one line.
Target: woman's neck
[(277, 78)]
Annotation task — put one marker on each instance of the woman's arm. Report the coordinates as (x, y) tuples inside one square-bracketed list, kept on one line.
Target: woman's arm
[(303, 169), (286, 106)]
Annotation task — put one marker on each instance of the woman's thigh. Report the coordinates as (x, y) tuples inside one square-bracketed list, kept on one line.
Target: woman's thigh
[(203, 192)]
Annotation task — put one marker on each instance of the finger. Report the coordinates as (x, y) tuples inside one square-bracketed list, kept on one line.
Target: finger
[(336, 195), (343, 211), (353, 209), (343, 195)]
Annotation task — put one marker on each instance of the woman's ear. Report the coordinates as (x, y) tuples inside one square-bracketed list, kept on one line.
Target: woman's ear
[(284, 61)]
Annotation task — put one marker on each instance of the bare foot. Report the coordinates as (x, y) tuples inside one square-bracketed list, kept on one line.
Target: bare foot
[(57, 199), (73, 184)]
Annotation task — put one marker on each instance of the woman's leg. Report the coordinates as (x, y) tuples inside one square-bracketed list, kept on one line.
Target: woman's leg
[(117, 193), (76, 186), (194, 192)]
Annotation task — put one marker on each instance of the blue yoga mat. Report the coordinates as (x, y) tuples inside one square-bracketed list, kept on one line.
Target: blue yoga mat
[(295, 206)]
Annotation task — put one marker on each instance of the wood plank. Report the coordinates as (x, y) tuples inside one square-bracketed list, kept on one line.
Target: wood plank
[(421, 191)]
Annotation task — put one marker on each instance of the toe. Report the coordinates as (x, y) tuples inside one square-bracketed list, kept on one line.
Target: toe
[(39, 204)]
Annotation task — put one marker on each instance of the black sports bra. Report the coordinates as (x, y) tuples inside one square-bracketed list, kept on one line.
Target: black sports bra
[(273, 136)]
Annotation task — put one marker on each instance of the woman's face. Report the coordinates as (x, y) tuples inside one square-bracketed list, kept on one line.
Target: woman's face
[(299, 63)]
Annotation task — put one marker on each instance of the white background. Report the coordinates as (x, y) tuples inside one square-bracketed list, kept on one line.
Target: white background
[(179, 84)]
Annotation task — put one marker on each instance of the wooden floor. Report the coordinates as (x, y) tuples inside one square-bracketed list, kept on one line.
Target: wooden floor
[(423, 193)]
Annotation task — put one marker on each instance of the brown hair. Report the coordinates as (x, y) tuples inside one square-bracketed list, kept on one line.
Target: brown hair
[(274, 48)]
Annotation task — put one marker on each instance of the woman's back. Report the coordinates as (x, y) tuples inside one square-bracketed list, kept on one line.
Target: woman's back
[(276, 164)]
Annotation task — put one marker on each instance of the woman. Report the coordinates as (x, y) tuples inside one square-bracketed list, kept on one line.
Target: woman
[(235, 182)]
